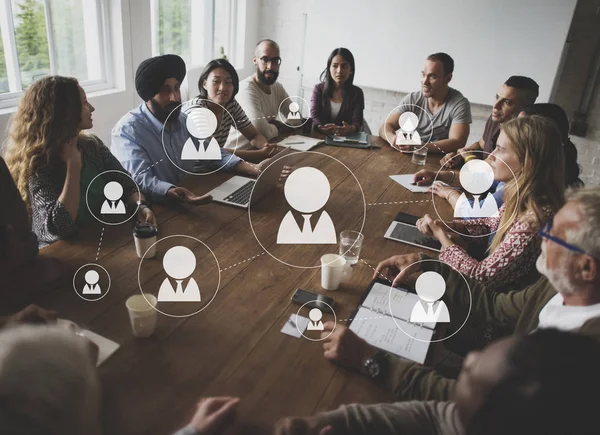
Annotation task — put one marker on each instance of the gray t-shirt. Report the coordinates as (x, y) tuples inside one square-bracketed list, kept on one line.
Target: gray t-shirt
[(456, 110)]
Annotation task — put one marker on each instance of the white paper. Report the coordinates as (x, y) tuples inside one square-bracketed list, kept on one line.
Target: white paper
[(290, 327), (106, 347), (307, 142), (406, 181), (381, 332), (402, 302)]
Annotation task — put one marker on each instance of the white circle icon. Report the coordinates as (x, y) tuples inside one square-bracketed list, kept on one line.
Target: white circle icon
[(92, 277), (201, 122), (294, 106), (476, 176), (315, 315), (91, 282), (179, 262), (408, 122), (430, 286), (113, 191), (307, 189)]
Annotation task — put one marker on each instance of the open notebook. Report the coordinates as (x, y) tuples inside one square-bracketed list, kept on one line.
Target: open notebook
[(300, 143), (373, 322)]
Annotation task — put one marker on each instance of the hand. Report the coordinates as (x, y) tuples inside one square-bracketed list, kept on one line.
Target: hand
[(303, 426), (285, 172), (450, 160), (396, 268), (270, 150), (442, 190), (344, 347), (146, 216), (70, 152), (328, 129), (435, 228), (181, 194), (213, 414), (424, 177), (33, 314), (344, 129), (281, 127)]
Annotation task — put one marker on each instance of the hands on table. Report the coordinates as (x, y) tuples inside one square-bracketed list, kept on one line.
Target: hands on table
[(183, 195)]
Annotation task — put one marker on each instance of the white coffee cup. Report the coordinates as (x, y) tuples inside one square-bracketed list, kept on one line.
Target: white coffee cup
[(145, 240), (142, 314), (333, 269)]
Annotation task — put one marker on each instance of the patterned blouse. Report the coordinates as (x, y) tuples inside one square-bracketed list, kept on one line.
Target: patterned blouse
[(512, 265), (50, 219)]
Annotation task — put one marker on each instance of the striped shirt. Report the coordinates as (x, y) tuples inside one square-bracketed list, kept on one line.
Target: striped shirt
[(234, 116)]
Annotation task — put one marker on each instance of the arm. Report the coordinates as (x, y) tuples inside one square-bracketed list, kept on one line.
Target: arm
[(357, 110), (316, 104), (388, 130), (135, 160), (457, 138)]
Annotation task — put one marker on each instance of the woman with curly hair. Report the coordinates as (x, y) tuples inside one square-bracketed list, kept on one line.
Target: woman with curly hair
[(53, 162)]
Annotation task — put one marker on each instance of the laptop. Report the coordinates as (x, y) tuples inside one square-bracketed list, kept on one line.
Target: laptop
[(237, 190)]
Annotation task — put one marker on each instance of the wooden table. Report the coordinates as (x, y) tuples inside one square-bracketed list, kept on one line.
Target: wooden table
[(233, 347)]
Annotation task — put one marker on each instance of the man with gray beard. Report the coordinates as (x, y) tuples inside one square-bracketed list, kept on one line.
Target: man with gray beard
[(566, 297)]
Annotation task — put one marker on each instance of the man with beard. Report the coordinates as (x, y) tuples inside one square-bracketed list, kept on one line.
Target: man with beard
[(566, 297), (261, 96), (441, 114), (146, 138)]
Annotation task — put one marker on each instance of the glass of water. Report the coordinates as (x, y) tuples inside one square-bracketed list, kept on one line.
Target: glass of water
[(350, 245), (419, 156)]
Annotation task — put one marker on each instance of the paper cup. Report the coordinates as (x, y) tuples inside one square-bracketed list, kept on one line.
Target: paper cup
[(142, 315), (332, 271)]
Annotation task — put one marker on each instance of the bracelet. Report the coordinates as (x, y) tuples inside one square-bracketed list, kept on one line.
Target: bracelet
[(453, 176), (449, 194), (469, 157)]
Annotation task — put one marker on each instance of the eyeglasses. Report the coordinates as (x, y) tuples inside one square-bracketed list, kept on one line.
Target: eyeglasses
[(273, 60), (545, 232)]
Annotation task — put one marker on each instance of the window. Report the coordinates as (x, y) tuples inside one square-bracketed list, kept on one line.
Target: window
[(197, 30), (41, 37)]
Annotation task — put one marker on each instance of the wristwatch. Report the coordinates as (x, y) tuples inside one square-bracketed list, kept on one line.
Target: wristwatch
[(142, 202), (377, 366)]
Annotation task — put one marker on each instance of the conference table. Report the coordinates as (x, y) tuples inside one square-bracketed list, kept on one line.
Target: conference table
[(234, 347)]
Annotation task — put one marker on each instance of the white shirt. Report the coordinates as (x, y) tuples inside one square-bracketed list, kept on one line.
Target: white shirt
[(566, 318), (261, 108), (335, 109)]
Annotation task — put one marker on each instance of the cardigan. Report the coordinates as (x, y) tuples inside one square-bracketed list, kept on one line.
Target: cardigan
[(351, 110)]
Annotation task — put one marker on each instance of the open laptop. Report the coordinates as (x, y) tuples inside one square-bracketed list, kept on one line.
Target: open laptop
[(237, 190)]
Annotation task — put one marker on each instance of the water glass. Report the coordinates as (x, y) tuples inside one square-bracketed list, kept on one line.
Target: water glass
[(419, 156), (350, 245)]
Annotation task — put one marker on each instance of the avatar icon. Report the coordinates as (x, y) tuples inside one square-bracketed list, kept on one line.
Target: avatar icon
[(430, 288), (179, 263), (294, 112), (201, 124), (91, 286), (316, 324), (113, 204), (307, 190), (476, 177), (407, 135)]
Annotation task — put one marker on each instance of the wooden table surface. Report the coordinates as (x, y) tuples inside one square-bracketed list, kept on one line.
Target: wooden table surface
[(234, 346)]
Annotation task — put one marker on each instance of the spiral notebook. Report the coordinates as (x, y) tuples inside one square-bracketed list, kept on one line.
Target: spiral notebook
[(374, 322)]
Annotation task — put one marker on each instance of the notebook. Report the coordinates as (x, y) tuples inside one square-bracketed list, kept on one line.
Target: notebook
[(373, 321), (300, 143), (358, 140)]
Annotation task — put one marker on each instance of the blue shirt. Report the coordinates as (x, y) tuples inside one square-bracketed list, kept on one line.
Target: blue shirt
[(137, 141)]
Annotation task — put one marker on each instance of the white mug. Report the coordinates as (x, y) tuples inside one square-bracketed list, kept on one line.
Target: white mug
[(333, 270), (142, 314)]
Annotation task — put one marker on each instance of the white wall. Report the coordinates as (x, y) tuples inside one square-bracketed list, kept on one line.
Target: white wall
[(132, 43)]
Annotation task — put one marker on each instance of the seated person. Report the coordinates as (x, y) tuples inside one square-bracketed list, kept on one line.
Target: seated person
[(566, 298), (516, 93), (53, 162), (337, 105), (261, 96), (18, 245), (516, 385), (49, 385), (529, 159), (157, 127), (446, 129), (218, 85)]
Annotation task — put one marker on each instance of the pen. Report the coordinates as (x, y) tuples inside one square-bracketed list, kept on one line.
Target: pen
[(293, 143)]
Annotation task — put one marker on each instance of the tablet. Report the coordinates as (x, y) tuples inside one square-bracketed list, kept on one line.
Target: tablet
[(404, 233)]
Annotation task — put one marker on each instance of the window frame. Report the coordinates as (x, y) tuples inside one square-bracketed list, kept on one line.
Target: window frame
[(11, 98)]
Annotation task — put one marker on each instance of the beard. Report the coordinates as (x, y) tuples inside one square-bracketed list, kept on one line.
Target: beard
[(559, 278), (264, 80), (164, 113)]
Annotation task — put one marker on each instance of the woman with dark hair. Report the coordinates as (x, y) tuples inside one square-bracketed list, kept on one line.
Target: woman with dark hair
[(540, 384), (556, 113), (53, 162), (218, 85), (337, 105)]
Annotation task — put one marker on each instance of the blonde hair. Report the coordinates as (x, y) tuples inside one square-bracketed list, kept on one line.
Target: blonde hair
[(48, 115), (537, 143)]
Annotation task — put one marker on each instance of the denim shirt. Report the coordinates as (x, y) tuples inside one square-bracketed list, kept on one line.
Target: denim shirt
[(137, 141)]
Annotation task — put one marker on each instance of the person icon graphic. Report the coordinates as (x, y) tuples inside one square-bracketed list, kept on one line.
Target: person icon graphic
[(476, 177), (408, 134), (307, 190), (91, 286), (179, 263), (294, 111), (316, 324), (113, 204), (430, 288), (201, 124)]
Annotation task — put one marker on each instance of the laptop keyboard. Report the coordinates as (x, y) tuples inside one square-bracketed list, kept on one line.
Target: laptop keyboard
[(242, 195)]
